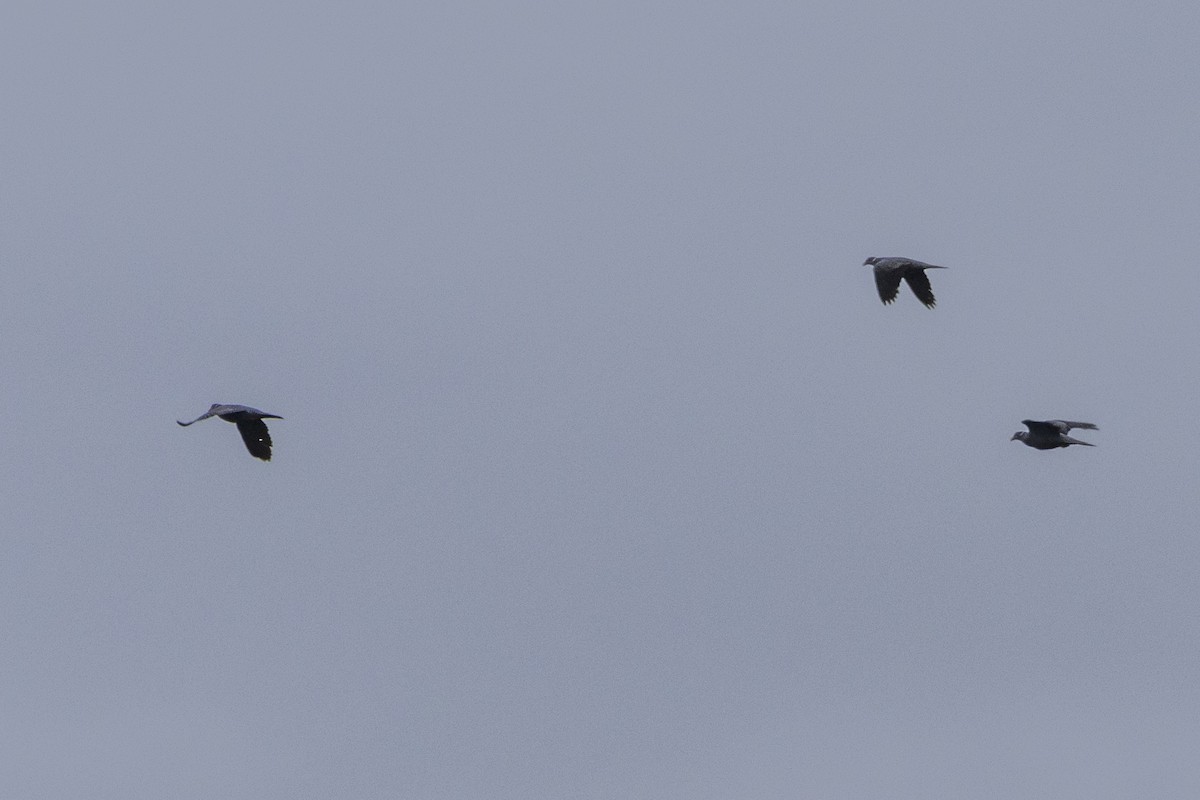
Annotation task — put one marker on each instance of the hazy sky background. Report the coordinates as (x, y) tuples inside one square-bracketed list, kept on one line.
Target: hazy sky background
[(604, 472)]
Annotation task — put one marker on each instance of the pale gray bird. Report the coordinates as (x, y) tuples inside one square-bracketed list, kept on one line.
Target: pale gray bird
[(1051, 433), (249, 423), (890, 270)]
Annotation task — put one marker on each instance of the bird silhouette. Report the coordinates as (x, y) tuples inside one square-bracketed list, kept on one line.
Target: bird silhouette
[(890, 270), (249, 423), (1051, 433)]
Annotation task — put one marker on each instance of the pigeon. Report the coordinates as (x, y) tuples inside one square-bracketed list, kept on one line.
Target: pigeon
[(1051, 433), (249, 423), (889, 271)]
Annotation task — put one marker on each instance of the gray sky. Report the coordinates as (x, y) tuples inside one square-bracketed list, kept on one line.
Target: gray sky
[(604, 472)]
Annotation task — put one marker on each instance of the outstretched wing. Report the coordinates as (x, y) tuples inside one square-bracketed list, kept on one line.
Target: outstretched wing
[(1050, 427), (912, 262), (1067, 425), (205, 415), (918, 281), (257, 438), (887, 281)]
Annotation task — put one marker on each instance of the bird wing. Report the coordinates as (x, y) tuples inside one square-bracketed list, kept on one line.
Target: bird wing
[(257, 438), (1044, 428), (918, 281), (887, 281), (205, 415), (1067, 425), (912, 262)]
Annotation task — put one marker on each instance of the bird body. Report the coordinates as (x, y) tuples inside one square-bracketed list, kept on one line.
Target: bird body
[(890, 270), (249, 423), (1051, 433)]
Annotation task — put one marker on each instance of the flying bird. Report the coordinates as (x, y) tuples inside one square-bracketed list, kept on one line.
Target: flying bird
[(1051, 433), (890, 270), (249, 423)]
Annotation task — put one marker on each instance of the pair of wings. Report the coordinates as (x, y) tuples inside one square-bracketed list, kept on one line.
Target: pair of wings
[(254, 431), (887, 281)]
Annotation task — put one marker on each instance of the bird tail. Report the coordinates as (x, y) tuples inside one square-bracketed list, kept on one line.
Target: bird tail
[(1073, 440)]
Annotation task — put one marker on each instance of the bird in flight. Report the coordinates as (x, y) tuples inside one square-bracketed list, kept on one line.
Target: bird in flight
[(890, 270), (249, 423), (1051, 433)]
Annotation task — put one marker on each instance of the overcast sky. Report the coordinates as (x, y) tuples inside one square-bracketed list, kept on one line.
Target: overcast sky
[(604, 473)]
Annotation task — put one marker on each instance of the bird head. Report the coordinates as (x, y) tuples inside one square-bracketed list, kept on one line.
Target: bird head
[(870, 261), (1019, 436)]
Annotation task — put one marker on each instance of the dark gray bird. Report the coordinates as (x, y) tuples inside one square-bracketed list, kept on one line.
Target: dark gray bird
[(249, 423), (890, 270), (1051, 433)]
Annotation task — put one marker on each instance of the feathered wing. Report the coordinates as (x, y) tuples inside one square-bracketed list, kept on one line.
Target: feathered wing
[(918, 281), (205, 415), (887, 281), (1067, 425), (256, 436)]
